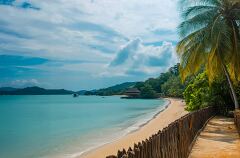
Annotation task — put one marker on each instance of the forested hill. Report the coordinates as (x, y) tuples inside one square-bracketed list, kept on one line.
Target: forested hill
[(33, 91), (118, 89), (167, 84)]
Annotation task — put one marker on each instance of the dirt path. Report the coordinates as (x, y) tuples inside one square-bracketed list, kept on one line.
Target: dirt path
[(219, 139)]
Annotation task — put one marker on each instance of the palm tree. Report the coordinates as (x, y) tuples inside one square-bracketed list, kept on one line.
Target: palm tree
[(210, 38)]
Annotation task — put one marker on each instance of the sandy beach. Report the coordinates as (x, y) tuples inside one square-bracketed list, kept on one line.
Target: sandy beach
[(174, 111)]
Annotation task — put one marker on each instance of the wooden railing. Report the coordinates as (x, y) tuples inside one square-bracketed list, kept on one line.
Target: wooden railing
[(237, 120), (174, 141)]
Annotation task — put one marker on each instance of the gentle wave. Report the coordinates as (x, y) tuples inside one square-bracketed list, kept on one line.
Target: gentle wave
[(66, 127), (135, 127)]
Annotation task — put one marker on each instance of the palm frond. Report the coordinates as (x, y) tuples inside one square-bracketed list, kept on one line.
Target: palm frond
[(197, 22), (208, 38), (195, 10)]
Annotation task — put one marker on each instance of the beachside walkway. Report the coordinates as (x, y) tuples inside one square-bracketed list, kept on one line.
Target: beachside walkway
[(219, 139)]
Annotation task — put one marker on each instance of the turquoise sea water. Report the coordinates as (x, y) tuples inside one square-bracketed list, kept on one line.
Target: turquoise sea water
[(63, 126)]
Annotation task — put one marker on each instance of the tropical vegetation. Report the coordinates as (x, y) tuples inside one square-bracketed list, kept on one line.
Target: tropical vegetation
[(167, 84), (118, 89), (209, 50), (199, 94), (210, 39)]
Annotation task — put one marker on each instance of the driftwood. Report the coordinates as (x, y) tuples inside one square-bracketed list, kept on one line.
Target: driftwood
[(237, 120), (173, 141)]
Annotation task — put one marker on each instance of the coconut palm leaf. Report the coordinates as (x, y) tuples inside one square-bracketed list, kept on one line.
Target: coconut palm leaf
[(210, 37)]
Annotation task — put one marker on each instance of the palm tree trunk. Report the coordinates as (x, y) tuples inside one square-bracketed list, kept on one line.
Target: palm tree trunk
[(233, 93)]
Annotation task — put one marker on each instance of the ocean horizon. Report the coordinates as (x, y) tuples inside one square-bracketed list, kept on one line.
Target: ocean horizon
[(60, 126)]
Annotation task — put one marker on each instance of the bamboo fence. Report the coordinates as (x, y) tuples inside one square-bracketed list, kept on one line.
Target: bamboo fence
[(237, 120), (174, 141)]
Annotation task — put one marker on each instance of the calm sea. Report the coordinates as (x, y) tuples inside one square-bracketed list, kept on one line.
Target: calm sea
[(63, 126)]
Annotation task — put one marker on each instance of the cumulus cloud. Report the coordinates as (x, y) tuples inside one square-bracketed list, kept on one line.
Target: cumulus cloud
[(67, 28), (127, 51), (102, 34), (135, 58), (22, 83)]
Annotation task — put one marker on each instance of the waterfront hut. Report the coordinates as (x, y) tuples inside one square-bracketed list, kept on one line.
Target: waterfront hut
[(132, 93)]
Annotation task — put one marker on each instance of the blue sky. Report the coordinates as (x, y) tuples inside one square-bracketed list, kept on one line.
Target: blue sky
[(85, 44)]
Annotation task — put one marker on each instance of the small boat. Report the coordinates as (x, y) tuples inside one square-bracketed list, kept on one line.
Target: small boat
[(75, 95)]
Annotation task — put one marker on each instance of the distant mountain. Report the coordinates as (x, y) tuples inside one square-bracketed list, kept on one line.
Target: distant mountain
[(33, 91), (82, 92), (113, 90), (120, 87), (8, 89)]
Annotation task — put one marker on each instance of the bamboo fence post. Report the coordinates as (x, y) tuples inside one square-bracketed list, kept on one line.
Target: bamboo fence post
[(173, 141)]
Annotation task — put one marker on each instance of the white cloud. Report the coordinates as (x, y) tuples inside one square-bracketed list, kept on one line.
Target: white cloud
[(96, 31), (21, 83), (50, 28), (135, 58)]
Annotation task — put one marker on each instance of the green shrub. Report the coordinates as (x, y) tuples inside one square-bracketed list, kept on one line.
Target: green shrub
[(173, 87), (200, 94), (147, 92)]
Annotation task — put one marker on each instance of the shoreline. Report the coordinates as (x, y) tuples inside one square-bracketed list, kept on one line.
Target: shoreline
[(173, 110), (143, 123), (153, 117)]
